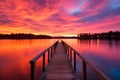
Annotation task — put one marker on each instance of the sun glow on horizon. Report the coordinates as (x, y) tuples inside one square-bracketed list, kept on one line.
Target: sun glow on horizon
[(69, 35)]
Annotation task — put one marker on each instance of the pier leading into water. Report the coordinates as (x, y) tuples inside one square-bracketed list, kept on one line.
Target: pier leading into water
[(59, 67), (60, 55)]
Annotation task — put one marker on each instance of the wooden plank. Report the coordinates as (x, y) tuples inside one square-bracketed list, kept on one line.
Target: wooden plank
[(59, 67)]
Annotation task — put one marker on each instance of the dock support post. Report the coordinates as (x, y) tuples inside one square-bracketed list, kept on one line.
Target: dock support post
[(83, 70), (48, 55), (67, 49), (51, 51), (70, 55), (74, 61), (68, 52), (43, 67), (32, 70)]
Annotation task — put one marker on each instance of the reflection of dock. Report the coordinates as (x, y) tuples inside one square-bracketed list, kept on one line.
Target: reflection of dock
[(59, 66)]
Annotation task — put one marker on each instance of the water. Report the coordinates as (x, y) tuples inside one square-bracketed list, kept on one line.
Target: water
[(16, 54), (103, 54)]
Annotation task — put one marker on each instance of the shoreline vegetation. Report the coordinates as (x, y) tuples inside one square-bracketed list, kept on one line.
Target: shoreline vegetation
[(31, 36), (106, 35), (23, 36)]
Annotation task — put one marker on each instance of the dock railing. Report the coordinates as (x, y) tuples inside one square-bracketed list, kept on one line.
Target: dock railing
[(50, 51), (70, 51)]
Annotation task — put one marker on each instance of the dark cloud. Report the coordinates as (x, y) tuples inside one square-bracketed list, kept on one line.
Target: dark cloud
[(52, 15), (94, 3), (107, 13), (40, 2), (2, 0), (56, 17), (4, 19)]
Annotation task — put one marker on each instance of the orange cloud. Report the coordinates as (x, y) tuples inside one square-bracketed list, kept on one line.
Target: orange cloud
[(58, 17)]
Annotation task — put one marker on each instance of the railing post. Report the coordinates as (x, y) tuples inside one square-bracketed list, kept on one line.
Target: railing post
[(84, 64), (70, 55), (54, 49), (65, 48), (68, 52), (74, 61), (48, 55), (32, 70), (51, 51), (43, 66), (83, 70)]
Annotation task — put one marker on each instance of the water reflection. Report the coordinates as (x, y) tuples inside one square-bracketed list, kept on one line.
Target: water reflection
[(103, 54), (15, 56)]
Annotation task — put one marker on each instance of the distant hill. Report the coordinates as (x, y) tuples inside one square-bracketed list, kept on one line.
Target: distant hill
[(23, 36)]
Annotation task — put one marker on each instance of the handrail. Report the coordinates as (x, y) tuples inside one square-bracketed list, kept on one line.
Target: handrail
[(69, 50), (50, 50)]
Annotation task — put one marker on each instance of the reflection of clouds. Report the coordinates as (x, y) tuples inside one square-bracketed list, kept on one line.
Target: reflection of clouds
[(15, 57), (49, 16)]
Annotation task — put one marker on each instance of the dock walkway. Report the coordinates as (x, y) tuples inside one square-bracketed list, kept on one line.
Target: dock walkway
[(59, 57), (59, 67)]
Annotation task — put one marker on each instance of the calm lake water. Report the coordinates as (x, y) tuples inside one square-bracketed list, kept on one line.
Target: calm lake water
[(16, 54)]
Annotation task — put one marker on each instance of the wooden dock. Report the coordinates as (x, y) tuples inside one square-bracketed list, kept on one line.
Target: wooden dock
[(59, 57), (59, 67)]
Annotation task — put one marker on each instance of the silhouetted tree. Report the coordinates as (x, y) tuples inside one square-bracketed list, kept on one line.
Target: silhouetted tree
[(22, 36), (108, 35)]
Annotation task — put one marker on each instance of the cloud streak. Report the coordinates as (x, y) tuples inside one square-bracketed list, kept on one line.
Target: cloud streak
[(59, 17)]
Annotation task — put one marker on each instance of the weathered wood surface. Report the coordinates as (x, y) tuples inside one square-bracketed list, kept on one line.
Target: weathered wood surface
[(59, 67)]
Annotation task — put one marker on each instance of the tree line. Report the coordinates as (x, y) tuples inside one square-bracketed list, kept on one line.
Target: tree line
[(105, 35), (23, 36)]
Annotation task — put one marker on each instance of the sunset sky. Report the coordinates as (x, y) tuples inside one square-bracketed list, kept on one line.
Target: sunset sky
[(59, 17)]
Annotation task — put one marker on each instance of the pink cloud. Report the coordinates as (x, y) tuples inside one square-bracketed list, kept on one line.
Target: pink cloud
[(57, 17)]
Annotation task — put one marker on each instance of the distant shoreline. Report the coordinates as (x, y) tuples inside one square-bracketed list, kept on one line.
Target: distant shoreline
[(38, 38), (82, 36), (23, 36), (102, 36), (31, 36)]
